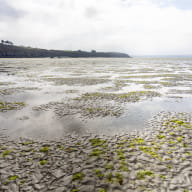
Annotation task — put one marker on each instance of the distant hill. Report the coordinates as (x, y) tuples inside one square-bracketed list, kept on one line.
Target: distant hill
[(12, 51)]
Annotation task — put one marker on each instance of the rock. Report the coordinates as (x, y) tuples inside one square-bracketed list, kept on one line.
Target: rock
[(67, 180), (58, 173), (86, 188), (60, 189), (14, 187), (39, 186)]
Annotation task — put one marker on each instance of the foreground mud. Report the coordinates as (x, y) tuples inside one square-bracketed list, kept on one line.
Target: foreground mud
[(157, 159)]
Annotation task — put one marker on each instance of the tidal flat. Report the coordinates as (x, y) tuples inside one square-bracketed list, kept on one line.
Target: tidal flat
[(96, 124)]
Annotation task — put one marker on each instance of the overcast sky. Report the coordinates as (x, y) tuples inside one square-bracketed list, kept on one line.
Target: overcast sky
[(131, 26)]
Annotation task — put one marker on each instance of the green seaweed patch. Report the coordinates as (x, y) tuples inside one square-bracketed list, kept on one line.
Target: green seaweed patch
[(70, 149), (172, 133), (139, 141), (147, 86), (151, 151), (120, 145), (143, 173), (8, 106), (97, 152), (109, 177), (167, 83), (138, 93), (77, 176), (3, 147), (120, 154), (188, 153), (109, 166), (119, 178), (97, 142), (129, 97), (102, 190), (162, 176), (44, 149), (99, 174), (75, 190), (161, 136), (28, 143), (59, 146), (169, 166), (179, 139), (43, 162), (185, 145), (78, 143), (172, 142), (123, 166), (13, 178), (5, 153)]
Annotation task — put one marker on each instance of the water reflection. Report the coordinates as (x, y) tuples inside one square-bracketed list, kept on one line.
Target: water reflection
[(45, 124), (138, 114)]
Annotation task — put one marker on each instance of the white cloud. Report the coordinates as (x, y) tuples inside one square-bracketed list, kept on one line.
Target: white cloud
[(136, 27)]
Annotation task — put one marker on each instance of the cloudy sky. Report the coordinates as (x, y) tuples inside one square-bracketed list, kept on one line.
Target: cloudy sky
[(132, 26)]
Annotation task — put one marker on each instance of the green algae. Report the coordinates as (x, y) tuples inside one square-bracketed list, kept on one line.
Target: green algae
[(13, 178), (97, 142), (179, 139), (77, 176), (109, 177), (44, 149), (28, 143), (120, 154), (119, 178), (97, 152), (102, 190), (109, 166), (120, 96), (75, 190), (8, 106), (160, 136), (139, 141), (143, 173), (43, 162), (99, 174), (147, 86), (5, 153)]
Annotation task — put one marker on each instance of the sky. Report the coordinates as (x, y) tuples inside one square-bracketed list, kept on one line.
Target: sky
[(136, 27)]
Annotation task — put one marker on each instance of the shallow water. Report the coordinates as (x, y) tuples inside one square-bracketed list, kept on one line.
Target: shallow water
[(40, 81)]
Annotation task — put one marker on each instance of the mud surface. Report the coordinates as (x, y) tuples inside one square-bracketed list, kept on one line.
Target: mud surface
[(157, 159)]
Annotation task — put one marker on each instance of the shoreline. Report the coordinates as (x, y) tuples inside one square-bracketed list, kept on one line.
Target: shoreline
[(158, 158)]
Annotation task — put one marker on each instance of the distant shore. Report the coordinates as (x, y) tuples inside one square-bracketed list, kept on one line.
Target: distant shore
[(12, 51)]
